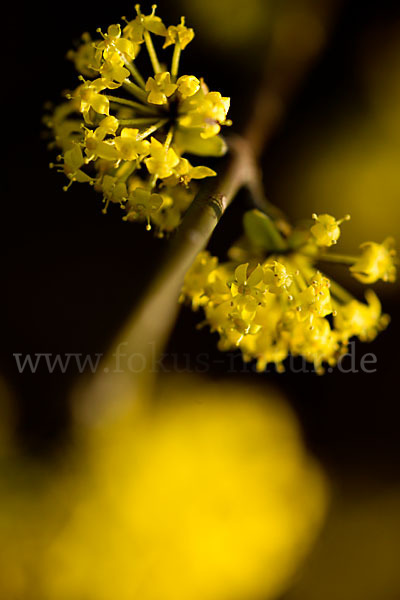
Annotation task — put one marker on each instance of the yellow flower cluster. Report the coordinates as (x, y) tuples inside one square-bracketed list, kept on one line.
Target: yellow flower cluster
[(126, 135), (281, 304)]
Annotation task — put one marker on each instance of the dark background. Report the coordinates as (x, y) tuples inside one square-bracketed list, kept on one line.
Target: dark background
[(71, 275)]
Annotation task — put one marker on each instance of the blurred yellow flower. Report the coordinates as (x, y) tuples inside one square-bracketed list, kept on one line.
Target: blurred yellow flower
[(326, 230), (208, 495), (376, 262)]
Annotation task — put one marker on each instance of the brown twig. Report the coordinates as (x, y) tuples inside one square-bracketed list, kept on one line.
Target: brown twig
[(128, 369)]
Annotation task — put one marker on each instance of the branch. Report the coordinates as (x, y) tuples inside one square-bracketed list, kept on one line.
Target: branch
[(128, 369)]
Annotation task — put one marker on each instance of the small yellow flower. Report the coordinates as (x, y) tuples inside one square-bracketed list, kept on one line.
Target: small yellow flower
[(188, 85), (198, 278), (142, 204), (162, 160), (107, 126), (326, 230), (184, 172), (96, 148), (136, 28), (376, 262), (166, 219), (206, 111), (89, 97), (318, 344), (247, 291), (160, 88), (276, 277), (362, 320), (315, 300), (113, 40), (179, 34), (113, 72), (73, 161), (129, 147), (114, 191), (87, 59), (245, 283)]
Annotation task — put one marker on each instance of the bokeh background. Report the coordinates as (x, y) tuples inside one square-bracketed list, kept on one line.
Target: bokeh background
[(71, 275)]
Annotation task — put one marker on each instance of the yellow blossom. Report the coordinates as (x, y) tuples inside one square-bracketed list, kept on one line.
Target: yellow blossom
[(113, 72), (89, 97), (142, 204), (197, 279), (114, 191), (160, 88), (113, 129), (162, 160), (315, 300), (184, 172), (87, 59), (206, 111), (73, 161), (360, 319), (246, 305), (276, 277), (113, 40), (107, 126), (376, 262), (96, 148), (188, 85), (318, 344), (179, 34), (129, 147), (326, 230), (135, 29)]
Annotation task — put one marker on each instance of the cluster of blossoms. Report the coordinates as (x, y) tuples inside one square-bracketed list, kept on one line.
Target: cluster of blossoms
[(125, 135), (274, 303)]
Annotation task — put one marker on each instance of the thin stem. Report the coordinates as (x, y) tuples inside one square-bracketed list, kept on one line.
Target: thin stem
[(138, 121), (125, 170), (134, 71), (169, 137), (151, 129), (340, 293), (146, 332), (152, 181), (135, 90), (343, 259), (175, 61), (152, 52), (131, 103)]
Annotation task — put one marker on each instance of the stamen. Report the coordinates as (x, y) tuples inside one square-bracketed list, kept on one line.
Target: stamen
[(104, 211)]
